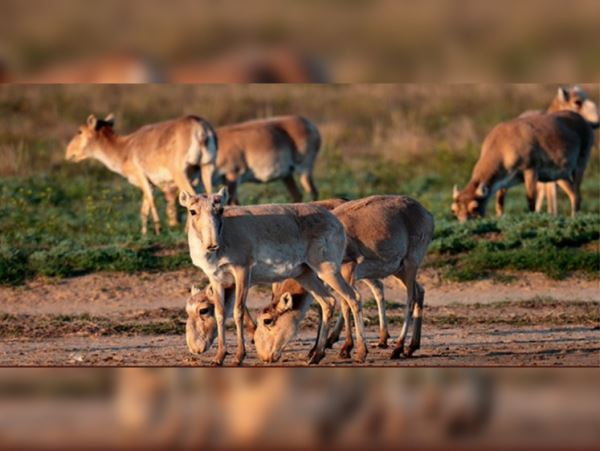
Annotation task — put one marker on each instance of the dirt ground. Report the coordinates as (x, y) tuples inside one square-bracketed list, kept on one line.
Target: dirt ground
[(123, 319)]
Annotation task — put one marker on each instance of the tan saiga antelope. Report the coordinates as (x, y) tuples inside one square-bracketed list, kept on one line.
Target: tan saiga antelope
[(566, 99), (269, 149), (387, 235), (258, 244), (201, 327), (166, 154), (538, 147)]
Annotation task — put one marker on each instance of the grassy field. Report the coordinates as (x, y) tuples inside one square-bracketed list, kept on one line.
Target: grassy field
[(59, 219)]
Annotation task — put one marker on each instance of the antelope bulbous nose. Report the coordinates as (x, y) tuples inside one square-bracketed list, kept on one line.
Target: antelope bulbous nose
[(213, 247)]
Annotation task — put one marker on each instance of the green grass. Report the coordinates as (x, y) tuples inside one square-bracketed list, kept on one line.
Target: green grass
[(59, 219), (82, 219)]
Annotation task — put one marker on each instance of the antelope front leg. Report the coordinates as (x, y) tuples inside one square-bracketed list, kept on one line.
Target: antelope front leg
[(315, 287), (336, 281), (530, 178), (220, 319), (567, 187), (144, 212), (149, 199), (348, 342), (249, 324), (334, 336), (415, 342), (500, 195), (242, 282)]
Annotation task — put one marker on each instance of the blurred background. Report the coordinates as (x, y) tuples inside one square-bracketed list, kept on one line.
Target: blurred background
[(349, 408), (69, 41)]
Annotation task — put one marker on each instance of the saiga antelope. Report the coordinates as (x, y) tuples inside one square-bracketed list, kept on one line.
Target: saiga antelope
[(165, 154), (258, 244), (538, 147), (387, 235)]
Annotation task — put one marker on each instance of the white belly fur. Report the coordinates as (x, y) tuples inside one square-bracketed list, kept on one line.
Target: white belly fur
[(160, 176)]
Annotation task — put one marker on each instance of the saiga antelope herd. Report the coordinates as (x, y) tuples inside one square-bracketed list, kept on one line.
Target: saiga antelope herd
[(315, 250)]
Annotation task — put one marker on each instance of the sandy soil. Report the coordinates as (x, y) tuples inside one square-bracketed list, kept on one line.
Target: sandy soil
[(121, 319)]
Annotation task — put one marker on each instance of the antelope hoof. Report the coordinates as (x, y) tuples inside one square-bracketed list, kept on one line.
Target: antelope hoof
[(361, 354), (219, 358), (382, 344), (410, 350), (396, 353), (345, 351), (331, 340), (316, 357), (311, 353), (239, 359)]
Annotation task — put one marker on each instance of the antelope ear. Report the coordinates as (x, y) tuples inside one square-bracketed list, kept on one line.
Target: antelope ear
[(185, 199), (482, 190), (455, 193), (210, 292), (222, 196), (92, 122), (195, 290), (110, 119), (286, 302), (563, 94)]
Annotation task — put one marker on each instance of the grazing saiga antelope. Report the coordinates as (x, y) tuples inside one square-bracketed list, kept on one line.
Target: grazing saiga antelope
[(566, 99), (166, 154), (536, 147), (269, 149), (201, 326), (258, 244), (387, 235)]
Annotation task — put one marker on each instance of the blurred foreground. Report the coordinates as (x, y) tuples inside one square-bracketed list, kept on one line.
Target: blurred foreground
[(299, 408)]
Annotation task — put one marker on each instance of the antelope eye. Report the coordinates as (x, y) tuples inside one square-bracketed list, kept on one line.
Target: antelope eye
[(193, 212), (268, 321), (579, 103), (203, 310)]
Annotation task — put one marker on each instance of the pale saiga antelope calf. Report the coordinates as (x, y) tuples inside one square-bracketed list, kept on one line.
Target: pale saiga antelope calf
[(566, 99), (387, 236), (244, 246), (268, 149), (537, 147), (166, 154)]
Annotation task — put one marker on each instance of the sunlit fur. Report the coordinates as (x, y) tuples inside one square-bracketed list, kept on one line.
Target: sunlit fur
[(243, 246), (533, 148), (264, 150), (166, 155), (387, 236)]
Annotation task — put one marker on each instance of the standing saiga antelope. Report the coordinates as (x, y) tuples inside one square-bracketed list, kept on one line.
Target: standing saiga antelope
[(566, 99), (166, 154), (268, 149), (536, 147), (386, 235), (201, 325), (244, 246)]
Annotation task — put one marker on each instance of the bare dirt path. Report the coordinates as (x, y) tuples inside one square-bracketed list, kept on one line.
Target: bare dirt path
[(121, 319), (107, 293), (522, 346)]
